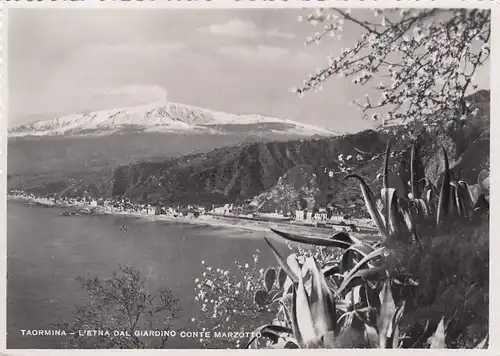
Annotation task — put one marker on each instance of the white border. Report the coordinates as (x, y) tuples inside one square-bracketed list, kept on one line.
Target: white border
[(494, 5)]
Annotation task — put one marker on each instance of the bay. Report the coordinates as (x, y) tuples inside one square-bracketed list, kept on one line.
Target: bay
[(46, 251)]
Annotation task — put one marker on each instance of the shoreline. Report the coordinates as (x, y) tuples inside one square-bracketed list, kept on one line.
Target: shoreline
[(202, 220)]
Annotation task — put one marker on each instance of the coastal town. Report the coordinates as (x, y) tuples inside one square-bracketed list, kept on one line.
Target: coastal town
[(322, 218)]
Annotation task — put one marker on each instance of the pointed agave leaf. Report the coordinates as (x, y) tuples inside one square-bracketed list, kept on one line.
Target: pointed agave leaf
[(458, 200), (330, 268), (408, 217), (294, 320), (386, 164), (282, 262), (475, 193), (361, 249), (304, 316), (453, 199), (371, 336), (344, 236), (292, 261), (388, 195), (396, 222), (483, 344), (287, 314), (428, 196), (317, 241), (352, 273), (413, 172), (395, 325), (371, 204), (463, 191), (437, 341), (361, 277), (269, 278), (287, 285), (386, 199), (444, 195), (483, 180), (274, 332), (387, 312), (485, 184), (321, 300)]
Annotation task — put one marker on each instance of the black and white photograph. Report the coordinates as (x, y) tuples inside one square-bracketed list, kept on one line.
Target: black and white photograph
[(247, 178)]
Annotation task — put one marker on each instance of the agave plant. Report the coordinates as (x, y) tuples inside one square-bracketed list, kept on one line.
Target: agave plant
[(314, 313), (406, 219), (315, 296), (318, 302), (309, 309)]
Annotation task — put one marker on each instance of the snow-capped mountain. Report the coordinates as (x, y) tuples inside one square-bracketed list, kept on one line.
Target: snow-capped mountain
[(163, 117)]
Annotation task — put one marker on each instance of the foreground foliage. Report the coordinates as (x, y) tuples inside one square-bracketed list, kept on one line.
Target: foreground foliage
[(122, 304), (360, 299)]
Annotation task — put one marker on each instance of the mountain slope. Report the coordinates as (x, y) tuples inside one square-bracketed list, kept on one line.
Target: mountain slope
[(162, 116), (106, 139), (278, 172), (467, 146)]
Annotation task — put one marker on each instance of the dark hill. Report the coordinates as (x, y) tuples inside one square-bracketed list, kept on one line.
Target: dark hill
[(240, 173)]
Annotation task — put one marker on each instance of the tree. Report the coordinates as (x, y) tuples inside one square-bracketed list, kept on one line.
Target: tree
[(122, 304), (301, 203), (424, 59)]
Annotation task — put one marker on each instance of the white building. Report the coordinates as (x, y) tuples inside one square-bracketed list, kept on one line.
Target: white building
[(321, 215), (221, 210), (301, 214)]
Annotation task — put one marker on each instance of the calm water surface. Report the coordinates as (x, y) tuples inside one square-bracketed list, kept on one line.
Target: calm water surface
[(45, 252)]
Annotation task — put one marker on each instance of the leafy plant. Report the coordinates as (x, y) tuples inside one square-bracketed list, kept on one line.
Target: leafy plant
[(423, 211), (313, 316), (230, 301), (274, 283), (121, 303), (319, 302)]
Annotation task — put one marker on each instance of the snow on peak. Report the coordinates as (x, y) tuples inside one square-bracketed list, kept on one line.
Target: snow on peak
[(160, 116)]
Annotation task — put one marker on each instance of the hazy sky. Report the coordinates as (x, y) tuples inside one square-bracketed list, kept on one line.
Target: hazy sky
[(240, 61)]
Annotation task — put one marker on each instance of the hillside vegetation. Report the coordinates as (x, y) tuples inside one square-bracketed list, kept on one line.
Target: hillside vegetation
[(267, 171)]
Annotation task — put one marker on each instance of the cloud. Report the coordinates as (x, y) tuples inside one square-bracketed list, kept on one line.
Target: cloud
[(134, 93), (258, 53), (234, 27), (242, 29), (147, 48), (277, 33)]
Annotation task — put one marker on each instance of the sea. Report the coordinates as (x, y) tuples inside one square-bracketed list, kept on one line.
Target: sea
[(47, 251)]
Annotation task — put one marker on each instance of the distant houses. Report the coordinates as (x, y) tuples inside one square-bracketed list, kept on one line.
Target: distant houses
[(223, 210), (322, 214)]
